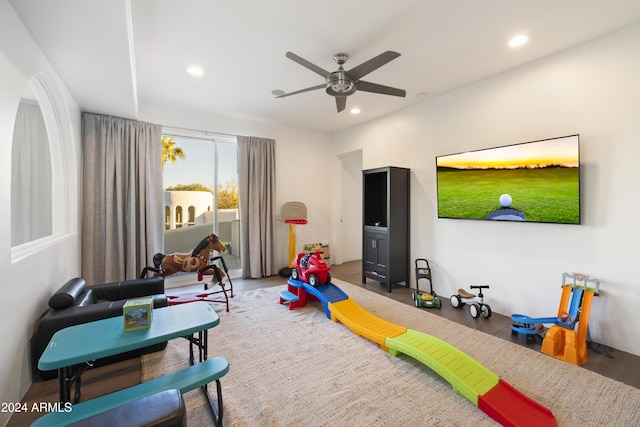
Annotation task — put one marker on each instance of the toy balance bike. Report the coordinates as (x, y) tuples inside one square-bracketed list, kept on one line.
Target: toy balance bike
[(476, 303), (423, 299)]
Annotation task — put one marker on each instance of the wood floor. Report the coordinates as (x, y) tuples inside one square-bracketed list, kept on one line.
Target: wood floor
[(619, 365)]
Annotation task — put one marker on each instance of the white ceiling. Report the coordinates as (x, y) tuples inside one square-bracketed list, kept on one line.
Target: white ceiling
[(112, 53)]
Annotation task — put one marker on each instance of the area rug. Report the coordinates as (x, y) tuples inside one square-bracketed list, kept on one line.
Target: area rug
[(298, 368)]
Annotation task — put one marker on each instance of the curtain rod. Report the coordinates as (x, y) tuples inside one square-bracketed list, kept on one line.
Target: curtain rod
[(178, 130)]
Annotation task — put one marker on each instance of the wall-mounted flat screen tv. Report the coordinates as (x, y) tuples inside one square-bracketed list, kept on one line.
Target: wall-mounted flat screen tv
[(536, 181)]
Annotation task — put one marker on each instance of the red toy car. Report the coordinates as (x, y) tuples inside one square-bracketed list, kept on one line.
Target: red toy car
[(311, 268)]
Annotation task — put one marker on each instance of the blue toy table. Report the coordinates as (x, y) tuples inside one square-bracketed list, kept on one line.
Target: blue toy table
[(72, 349)]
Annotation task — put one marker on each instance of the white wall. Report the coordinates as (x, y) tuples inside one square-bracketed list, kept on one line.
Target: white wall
[(593, 90), (28, 283), (304, 163)]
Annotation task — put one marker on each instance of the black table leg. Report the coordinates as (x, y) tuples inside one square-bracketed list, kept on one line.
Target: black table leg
[(202, 342), (63, 379), (71, 377)]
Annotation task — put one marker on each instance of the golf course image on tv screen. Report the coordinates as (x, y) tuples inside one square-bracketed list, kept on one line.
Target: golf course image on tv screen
[(536, 181)]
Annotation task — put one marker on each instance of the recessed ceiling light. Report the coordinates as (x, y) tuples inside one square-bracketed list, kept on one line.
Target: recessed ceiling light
[(194, 70), (518, 41), (355, 110)]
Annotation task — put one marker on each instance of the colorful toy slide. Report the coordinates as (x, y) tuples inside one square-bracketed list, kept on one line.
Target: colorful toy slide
[(468, 378)]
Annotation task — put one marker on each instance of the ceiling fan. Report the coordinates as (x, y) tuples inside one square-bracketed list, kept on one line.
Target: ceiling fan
[(340, 84)]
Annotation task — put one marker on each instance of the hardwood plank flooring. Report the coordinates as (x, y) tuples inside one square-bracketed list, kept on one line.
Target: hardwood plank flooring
[(621, 366)]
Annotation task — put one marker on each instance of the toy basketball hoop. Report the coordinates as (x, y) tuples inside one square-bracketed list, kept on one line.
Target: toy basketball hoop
[(292, 213)]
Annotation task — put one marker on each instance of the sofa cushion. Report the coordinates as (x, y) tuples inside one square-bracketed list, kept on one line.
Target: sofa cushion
[(66, 296), (128, 289)]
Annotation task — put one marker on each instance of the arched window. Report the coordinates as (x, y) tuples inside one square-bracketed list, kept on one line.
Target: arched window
[(192, 215), (30, 176), (38, 187), (178, 216), (167, 218)]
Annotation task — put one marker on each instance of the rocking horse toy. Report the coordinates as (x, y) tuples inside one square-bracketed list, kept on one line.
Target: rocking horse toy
[(191, 262), (198, 261)]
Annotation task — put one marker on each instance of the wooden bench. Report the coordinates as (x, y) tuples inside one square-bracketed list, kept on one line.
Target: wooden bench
[(198, 375)]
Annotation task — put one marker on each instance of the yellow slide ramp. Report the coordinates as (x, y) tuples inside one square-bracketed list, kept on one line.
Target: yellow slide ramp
[(363, 323)]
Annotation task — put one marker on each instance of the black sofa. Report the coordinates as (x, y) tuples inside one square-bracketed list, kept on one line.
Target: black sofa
[(76, 303)]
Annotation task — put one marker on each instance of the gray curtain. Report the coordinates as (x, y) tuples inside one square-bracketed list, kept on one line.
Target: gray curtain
[(256, 193), (122, 224)]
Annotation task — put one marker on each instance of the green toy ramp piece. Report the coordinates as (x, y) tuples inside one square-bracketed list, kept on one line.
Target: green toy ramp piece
[(467, 377)]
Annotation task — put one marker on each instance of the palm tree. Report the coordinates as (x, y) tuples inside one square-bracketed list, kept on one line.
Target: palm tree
[(170, 151)]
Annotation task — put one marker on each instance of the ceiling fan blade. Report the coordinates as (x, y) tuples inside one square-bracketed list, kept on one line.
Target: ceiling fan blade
[(322, 86), (341, 102), (373, 64), (376, 88), (307, 64)]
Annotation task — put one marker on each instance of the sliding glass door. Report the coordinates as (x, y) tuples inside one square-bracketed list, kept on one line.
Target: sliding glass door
[(201, 192)]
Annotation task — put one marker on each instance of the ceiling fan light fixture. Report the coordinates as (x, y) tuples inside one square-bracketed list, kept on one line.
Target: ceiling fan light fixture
[(340, 84)]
